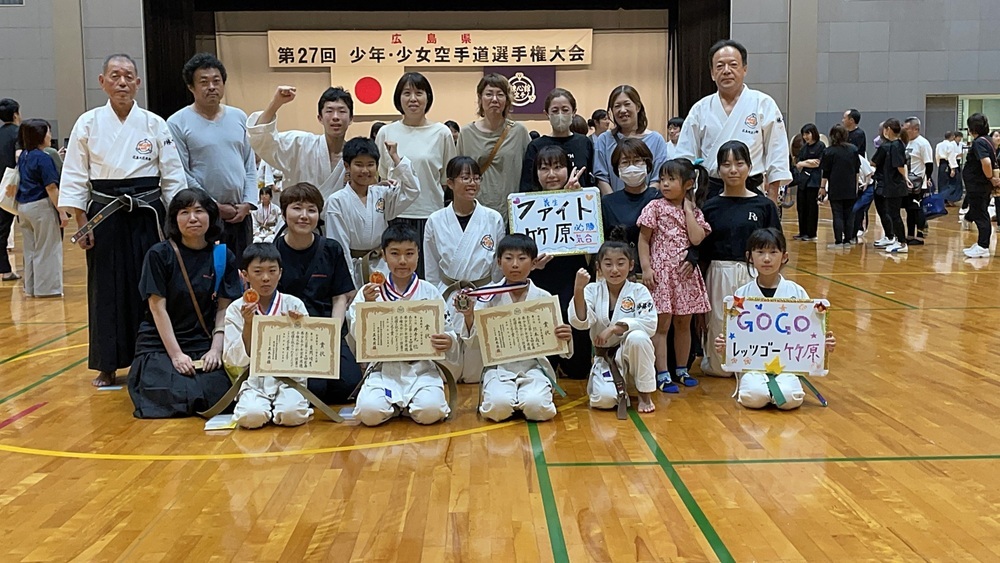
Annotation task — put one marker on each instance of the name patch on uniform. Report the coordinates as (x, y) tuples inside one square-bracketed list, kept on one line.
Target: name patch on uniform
[(144, 147), (628, 305), (487, 242)]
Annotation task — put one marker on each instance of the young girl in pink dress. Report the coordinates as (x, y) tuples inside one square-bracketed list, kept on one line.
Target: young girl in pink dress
[(668, 226)]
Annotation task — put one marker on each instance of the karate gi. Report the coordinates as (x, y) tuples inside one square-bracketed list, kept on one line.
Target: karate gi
[(414, 388), (751, 388), (267, 221), (301, 156), (456, 259), (263, 399), (755, 120), (635, 356), (116, 158), (358, 226), (524, 385)]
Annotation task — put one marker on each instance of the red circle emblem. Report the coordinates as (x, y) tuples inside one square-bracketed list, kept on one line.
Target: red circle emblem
[(368, 90)]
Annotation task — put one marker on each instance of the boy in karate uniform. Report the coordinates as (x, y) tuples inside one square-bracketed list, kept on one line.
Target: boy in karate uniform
[(523, 385), (356, 217), (262, 399), (415, 388)]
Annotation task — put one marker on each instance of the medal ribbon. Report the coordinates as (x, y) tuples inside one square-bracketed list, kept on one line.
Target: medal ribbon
[(275, 305), (491, 290), (390, 293)]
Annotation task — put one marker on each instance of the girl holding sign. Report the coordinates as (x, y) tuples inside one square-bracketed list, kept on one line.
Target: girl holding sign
[(667, 227), (767, 253)]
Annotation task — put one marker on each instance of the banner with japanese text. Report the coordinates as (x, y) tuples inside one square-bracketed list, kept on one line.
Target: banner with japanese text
[(472, 48), (775, 335), (559, 221)]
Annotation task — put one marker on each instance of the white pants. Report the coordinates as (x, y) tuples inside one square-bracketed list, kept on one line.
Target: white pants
[(753, 393), (383, 397), (263, 399), (519, 386), (263, 236), (43, 253), (723, 279), (635, 360)]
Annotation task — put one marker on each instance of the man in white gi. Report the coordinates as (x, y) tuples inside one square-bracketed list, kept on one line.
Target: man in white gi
[(736, 113), (215, 149), (301, 156), (946, 153), (121, 170)]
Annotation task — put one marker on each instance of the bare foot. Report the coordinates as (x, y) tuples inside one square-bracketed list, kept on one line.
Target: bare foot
[(646, 402), (104, 379)]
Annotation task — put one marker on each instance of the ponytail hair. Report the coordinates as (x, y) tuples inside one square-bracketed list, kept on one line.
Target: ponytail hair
[(683, 170), (617, 240)]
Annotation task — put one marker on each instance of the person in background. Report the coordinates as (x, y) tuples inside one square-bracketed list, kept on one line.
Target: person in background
[(891, 160), (601, 122), (920, 170), (840, 165), (373, 132), (267, 220), (995, 137), (626, 106), (945, 154), (11, 117), (38, 199), (673, 135), (806, 198), (580, 126), (980, 180), (560, 106), (855, 135), (454, 128)]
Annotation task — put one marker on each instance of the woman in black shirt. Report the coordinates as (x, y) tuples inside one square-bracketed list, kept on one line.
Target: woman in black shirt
[(807, 195), (840, 166), (891, 160), (979, 182)]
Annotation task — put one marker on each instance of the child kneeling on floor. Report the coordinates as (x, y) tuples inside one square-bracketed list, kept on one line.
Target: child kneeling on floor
[(767, 252), (262, 399)]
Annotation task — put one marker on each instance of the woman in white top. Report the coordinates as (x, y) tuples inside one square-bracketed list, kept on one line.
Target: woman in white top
[(501, 173), (428, 145)]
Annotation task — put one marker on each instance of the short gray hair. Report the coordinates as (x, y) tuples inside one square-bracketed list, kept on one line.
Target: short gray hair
[(912, 122), (123, 56)]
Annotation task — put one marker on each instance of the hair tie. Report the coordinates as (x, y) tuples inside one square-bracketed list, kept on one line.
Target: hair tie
[(698, 161)]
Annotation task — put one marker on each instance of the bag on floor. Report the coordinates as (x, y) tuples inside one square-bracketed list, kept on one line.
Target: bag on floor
[(8, 190), (933, 206)]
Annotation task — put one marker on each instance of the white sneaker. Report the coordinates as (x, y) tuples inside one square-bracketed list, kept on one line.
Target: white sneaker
[(898, 249), (977, 252), (884, 242)]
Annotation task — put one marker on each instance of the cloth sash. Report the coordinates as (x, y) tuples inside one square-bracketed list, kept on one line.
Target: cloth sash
[(367, 257), (130, 194), (616, 376)]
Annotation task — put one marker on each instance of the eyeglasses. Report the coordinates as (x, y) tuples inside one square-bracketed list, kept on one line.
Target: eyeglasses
[(471, 179)]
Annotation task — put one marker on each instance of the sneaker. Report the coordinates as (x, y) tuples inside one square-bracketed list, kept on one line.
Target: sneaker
[(915, 241), (898, 249), (808, 239), (834, 246), (884, 242), (892, 246), (977, 251), (688, 381), (11, 276), (799, 237), (666, 385), (853, 242)]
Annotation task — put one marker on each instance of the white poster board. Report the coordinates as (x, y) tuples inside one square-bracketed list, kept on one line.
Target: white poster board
[(560, 222), (775, 335)]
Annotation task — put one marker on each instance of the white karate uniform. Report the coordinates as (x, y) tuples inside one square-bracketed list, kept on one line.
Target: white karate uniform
[(359, 226), (755, 120), (265, 175), (266, 222), (635, 357), (524, 385), (102, 147), (263, 399), (301, 156), (414, 388), (751, 389)]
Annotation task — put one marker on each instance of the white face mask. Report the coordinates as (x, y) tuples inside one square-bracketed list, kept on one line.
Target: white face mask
[(560, 121), (633, 176)]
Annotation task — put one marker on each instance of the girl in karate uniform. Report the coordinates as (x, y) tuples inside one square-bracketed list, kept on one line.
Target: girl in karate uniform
[(767, 253), (621, 319), (668, 226)]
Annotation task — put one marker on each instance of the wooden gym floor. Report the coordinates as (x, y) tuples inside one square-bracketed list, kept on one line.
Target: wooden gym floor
[(897, 468)]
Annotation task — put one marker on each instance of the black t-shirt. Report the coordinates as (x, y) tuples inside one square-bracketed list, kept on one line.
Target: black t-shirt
[(733, 220), (463, 220), (8, 145), (315, 275), (161, 275), (890, 157), (972, 173), (840, 167), (809, 152), (858, 139), (579, 148), (767, 291), (623, 208)]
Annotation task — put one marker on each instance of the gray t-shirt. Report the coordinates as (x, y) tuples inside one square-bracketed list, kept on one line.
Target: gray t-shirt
[(216, 154)]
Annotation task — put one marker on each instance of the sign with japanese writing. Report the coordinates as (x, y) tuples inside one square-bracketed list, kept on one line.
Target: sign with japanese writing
[(520, 331), (560, 221), (775, 335), (308, 347), (398, 331), (414, 48)]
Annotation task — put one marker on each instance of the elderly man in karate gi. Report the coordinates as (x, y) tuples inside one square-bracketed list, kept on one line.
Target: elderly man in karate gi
[(301, 156), (121, 170), (736, 113)]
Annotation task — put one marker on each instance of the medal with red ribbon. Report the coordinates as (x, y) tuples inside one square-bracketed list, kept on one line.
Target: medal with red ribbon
[(390, 293), (275, 305), (488, 292)]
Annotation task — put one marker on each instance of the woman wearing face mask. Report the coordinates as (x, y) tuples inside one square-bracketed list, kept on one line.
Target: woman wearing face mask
[(632, 158), (560, 106), (554, 173), (428, 144), (495, 142), (629, 116)]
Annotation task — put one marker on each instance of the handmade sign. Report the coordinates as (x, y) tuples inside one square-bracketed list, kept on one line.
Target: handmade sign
[(560, 221), (775, 335), (308, 347), (520, 331), (399, 330)]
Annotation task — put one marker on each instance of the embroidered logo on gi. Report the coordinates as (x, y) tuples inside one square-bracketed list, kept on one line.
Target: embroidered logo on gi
[(628, 305), (524, 89), (144, 147), (380, 205), (751, 120), (487, 243)]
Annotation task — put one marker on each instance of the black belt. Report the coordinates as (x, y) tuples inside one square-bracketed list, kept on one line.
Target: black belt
[(616, 375), (126, 197)]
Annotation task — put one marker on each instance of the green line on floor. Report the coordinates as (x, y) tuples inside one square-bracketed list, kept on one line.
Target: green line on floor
[(556, 539)]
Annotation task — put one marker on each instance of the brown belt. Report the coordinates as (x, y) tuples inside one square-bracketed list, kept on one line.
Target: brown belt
[(366, 257), (616, 376), (456, 285)]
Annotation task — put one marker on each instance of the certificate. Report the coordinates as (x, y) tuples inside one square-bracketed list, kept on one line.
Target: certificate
[(308, 347), (398, 331), (520, 331), (775, 335)]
